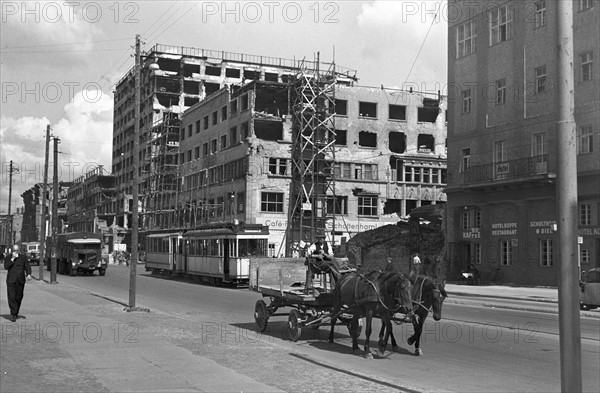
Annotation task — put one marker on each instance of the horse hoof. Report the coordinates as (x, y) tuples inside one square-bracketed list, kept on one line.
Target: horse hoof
[(410, 341), (418, 352), (380, 353), (395, 348), (368, 355)]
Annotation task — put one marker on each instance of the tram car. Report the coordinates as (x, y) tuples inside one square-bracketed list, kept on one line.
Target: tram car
[(215, 253)]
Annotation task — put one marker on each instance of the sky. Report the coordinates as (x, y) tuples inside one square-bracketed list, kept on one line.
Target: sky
[(60, 60)]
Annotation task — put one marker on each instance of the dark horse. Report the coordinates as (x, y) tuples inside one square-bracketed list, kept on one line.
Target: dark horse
[(428, 293), (375, 293)]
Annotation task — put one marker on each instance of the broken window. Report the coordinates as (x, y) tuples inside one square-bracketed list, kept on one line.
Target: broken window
[(215, 118), (341, 107), (190, 101), (205, 121), (285, 78), (341, 137), (397, 112), (223, 142), (268, 130), (232, 73), (339, 205), (171, 65), (278, 166), (367, 109), (224, 113), (251, 74), (367, 139), (392, 206), (170, 85), (213, 146), (212, 70), (429, 112), (191, 87), (426, 143), (245, 102), (410, 205), (271, 99), (233, 135), (189, 69), (234, 107), (397, 142), (210, 88), (244, 131), (271, 77)]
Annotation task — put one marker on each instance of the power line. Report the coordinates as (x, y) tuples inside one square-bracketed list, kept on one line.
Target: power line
[(70, 43), (422, 45)]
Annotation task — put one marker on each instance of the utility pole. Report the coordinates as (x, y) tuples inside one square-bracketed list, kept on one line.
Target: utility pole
[(135, 195), (44, 216), (10, 220), (566, 191), (54, 213)]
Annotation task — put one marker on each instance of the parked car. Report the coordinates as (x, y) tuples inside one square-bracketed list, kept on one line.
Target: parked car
[(589, 296)]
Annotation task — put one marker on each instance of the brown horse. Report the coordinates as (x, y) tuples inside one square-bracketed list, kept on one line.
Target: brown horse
[(428, 293), (375, 293)]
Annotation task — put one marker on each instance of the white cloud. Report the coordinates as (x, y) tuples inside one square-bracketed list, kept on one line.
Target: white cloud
[(32, 28), (85, 134)]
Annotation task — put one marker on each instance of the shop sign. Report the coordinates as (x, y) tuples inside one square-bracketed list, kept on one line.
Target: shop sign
[(504, 229), (542, 227), (473, 234), (593, 231)]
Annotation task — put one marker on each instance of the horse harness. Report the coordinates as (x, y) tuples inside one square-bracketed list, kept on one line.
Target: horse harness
[(357, 301), (421, 302)]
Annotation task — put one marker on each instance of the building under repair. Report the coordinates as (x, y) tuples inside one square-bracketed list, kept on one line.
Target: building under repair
[(360, 160)]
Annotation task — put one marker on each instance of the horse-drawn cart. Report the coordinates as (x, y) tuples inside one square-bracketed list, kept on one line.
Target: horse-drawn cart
[(284, 282)]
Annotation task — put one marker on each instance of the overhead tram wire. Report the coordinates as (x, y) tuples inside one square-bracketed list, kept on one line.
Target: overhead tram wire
[(422, 45), (175, 21), (126, 52)]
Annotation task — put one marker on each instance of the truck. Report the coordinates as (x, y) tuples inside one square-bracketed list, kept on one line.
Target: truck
[(32, 252), (80, 252)]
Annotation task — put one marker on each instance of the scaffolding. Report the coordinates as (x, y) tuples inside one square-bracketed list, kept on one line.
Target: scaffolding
[(160, 170), (312, 189)]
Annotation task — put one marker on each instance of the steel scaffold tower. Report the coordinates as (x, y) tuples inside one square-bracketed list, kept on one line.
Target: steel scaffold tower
[(161, 184), (313, 156)]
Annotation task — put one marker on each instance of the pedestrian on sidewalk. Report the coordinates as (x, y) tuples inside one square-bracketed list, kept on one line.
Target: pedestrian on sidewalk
[(417, 267), (17, 265)]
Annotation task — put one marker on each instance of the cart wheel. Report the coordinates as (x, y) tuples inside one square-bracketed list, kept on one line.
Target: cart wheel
[(261, 315), (293, 328)]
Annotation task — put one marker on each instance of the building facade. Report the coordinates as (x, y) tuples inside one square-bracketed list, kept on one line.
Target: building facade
[(184, 77), (502, 149), (235, 158)]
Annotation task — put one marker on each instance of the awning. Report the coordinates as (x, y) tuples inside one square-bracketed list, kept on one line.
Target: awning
[(84, 241), (165, 234)]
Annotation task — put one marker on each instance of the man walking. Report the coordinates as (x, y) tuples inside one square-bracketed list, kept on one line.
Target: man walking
[(17, 265)]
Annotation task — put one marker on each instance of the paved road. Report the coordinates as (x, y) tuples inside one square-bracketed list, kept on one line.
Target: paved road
[(473, 348)]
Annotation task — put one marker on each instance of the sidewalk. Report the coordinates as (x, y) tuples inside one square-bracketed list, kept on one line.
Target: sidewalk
[(71, 341)]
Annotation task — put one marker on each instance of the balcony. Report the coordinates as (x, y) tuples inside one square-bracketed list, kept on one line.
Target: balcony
[(524, 170)]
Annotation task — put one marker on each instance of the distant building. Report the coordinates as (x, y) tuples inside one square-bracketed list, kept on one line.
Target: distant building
[(502, 147)]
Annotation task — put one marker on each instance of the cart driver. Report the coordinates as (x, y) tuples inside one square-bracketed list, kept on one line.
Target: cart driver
[(320, 248)]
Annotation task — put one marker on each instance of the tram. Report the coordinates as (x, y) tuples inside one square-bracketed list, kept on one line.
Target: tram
[(215, 253)]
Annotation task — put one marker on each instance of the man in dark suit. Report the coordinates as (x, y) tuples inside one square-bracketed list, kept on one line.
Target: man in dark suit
[(17, 265)]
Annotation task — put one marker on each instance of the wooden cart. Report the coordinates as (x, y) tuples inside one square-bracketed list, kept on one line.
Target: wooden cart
[(283, 281)]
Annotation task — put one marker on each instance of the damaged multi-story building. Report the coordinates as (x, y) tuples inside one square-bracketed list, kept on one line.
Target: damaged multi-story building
[(217, 144), (173, 79), (236, 158)]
